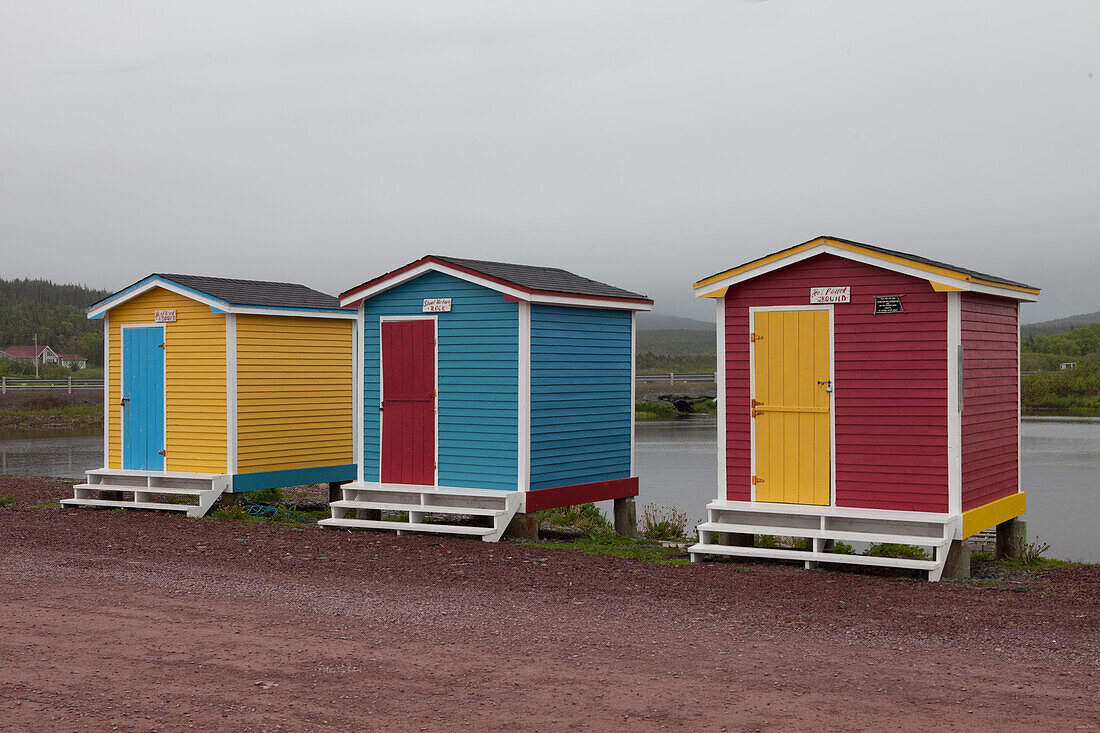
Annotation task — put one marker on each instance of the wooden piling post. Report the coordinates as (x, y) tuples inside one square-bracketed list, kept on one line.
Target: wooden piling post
[(1011, 538), (957, 565), (523, 526), (626, 517)]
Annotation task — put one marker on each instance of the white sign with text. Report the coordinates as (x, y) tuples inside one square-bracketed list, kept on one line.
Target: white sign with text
[(831, 295), (164, 316), (437, 305)]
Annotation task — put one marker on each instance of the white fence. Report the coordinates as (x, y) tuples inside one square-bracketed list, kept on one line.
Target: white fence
[(673, 378), (69, 383)]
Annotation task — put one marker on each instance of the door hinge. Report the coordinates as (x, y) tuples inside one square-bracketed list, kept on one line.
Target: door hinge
[(756, 403), (162, 346), (757, 413), (757, 480), (163, 453), (755, 337)]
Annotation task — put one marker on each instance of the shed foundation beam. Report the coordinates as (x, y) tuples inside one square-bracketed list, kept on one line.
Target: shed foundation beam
[(1011, 539), (523, 526), (626, 517), (334, 491), (957, 565), (734, 539)]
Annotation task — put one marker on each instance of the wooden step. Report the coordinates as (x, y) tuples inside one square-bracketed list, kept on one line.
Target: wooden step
[(154, 474), (422, 508), (142, 489), (407, 526), (129, 504), (827, 534), (808, 556)]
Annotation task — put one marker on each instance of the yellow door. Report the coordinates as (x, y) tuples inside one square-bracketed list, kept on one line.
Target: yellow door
[(791, 406)]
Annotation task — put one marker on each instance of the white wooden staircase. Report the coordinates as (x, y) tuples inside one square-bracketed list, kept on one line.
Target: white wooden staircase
[(443, 504), (931, 532), (141, 489)]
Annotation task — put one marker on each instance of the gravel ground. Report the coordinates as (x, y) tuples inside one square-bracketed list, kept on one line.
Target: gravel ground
[(135, 621)]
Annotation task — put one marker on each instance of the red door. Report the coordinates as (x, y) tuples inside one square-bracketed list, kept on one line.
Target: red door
[(408, 402)]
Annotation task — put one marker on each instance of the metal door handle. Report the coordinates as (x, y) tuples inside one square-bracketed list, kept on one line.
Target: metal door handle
[(124, 401)]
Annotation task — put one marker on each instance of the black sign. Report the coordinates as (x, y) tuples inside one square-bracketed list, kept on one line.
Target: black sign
[(888, 304)]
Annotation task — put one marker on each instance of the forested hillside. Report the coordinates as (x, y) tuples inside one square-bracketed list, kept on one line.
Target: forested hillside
[(54, 312), (1051, 388)]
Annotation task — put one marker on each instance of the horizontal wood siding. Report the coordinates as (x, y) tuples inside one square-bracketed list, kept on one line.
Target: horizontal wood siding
[(478, 377), (295, 393), (580, 395), (991, 382), (195, 392), (890, 383)]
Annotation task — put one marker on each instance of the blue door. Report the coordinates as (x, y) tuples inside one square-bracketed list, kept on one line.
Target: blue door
[(143, 398)]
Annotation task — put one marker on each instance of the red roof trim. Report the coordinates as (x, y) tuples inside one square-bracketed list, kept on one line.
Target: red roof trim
[(483, 276)]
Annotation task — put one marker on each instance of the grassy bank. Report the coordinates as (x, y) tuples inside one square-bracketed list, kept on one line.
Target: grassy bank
[(666, 411), (67, 417)]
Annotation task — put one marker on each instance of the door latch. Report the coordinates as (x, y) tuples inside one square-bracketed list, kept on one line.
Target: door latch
[(123, 401), (828, 385)]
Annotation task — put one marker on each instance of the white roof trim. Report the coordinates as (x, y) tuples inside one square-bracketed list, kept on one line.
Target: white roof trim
[(156, 282), (258, 310), (826, 248), (423, 269)]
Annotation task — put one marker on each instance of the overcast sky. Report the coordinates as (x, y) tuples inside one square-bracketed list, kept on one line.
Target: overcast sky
[(646, 144)]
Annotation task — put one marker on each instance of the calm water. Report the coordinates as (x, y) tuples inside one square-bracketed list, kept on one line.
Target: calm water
[(677, 465)]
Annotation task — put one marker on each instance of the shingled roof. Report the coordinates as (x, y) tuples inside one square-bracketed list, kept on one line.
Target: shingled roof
[(888, 258), (550, 279), (249, 293), (256, 292), (539, 282)]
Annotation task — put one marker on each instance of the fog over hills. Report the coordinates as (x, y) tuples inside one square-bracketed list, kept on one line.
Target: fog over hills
[(649, 321)]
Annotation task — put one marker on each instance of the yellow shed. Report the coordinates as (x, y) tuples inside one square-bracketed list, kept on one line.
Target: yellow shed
[(216, 385)]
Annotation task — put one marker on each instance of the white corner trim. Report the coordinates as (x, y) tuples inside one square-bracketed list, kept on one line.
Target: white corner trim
[(954, 402), (359, 342), (633, 382), (107, 391), (231, 393), (523, 467), (720, 378)]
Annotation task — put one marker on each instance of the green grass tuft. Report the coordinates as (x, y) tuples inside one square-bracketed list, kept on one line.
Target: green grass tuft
[(663, 523), (7, 499), (584, 517), (616, 546), (892, 549)]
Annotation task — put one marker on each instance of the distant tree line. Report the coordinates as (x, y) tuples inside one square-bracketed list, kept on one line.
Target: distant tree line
[(54, 312)]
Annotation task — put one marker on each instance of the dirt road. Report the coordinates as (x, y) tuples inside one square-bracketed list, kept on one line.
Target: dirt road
[(140, 622)]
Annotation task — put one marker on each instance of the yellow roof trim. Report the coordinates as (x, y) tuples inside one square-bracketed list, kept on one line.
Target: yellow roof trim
[(953, 274), (719, 293), (941, 288)]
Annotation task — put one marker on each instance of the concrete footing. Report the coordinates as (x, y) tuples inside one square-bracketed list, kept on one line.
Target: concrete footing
[(957, 565), (523, 526), (1011, 539), (626, 517)]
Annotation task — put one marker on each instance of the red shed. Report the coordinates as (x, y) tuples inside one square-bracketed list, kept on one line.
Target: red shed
[(865, 395)]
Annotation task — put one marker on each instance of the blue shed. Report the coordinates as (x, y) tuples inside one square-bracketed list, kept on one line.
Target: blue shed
[(489, 389)]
